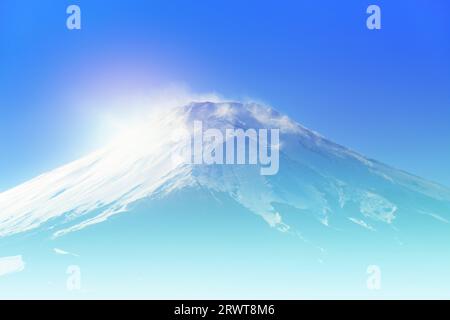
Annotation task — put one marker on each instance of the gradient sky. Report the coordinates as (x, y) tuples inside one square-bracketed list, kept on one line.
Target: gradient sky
[(383, 93)]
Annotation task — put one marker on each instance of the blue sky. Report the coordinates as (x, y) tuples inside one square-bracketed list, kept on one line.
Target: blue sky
[(383, 93)]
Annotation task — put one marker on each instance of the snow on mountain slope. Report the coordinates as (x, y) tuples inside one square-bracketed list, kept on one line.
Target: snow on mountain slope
[(316, 176)]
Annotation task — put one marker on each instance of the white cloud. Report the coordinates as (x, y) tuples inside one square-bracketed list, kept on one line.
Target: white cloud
[(11, 265)]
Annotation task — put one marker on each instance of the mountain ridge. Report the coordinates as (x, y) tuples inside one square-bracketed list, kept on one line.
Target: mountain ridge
[(316, 175)]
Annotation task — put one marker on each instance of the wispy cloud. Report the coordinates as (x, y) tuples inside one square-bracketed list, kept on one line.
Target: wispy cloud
[(65, 253), (362, 223), (435, 216)]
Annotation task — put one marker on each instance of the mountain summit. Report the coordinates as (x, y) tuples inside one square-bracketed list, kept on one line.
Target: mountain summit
[(318, 179)]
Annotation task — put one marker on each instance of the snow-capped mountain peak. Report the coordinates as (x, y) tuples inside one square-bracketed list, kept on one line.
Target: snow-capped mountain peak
[(317, 177)]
